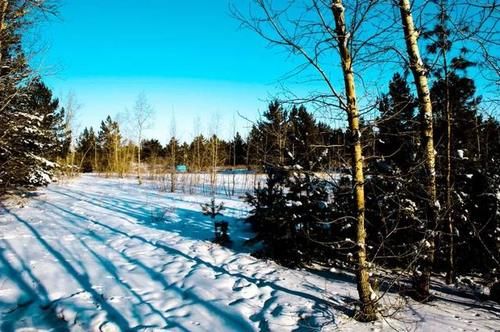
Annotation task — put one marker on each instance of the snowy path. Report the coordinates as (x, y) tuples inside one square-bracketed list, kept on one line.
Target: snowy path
[(107, 254)]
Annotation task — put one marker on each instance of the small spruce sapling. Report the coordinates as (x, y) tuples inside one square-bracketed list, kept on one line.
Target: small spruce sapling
[(220, 227)]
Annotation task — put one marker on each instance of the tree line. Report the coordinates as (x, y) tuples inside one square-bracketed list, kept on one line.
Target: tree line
[(281, 135)]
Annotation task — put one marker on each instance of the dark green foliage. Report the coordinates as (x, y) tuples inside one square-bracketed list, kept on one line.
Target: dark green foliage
[(33, 137), (87, 150), (303, 135), (238, 155), (173, 152), (286, 136), (395, 218), (475, 205), (152, 149), (300, 218), (108, 143), (397, 125)]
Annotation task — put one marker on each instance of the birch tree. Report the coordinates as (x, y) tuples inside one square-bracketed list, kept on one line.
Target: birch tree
[(423, 272), (142, 117), (71, 109), (319, 29)]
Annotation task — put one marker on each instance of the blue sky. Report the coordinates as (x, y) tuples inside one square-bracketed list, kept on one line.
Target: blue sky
[(189, 57)]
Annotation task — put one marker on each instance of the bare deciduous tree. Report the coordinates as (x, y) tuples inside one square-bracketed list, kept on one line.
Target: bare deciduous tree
[(71, 109), (311, 35), (423, 272), (142, 117)]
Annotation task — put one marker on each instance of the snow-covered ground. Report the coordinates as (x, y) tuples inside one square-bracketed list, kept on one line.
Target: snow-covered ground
[(107, 254)]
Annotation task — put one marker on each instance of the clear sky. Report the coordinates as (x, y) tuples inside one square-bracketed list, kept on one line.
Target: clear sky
[(188, 57)]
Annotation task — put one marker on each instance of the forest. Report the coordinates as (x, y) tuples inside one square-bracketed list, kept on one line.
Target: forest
[(388, 172)]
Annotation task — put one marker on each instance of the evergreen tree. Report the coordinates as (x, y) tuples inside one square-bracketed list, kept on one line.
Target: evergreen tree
[(86, 149), (32, 138), (238, 148), (474, 205), (303, 134), (269, 136), (109, 143), (64, 134), (463, 105), (26, 124), (397, 125), (152, 149)]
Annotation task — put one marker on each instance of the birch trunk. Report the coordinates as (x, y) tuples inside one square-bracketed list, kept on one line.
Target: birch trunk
[(423, 273), (139, 178), (368, 308)]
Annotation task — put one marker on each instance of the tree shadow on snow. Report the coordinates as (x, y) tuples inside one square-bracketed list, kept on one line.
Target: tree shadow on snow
[(189, 224), (19, 313)]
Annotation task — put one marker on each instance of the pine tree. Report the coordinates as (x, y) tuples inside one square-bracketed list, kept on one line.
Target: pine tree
[(303, 135), (87, 150), (152, 149), (397, 125), (238, 151), (109, 143), (269, 136), (31, 140)]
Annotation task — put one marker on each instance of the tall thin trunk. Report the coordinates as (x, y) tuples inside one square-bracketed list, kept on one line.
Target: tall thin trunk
[(117, 163), (213, 179), (234, 156), (248, 151), (72, 163), (139, 160), (173, 177), (94, 169), (368, 308), (422, 277), (3, 12), (450, 275), (478, 142)]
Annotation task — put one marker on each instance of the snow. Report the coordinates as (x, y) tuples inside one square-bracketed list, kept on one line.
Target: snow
[(97, 254)]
